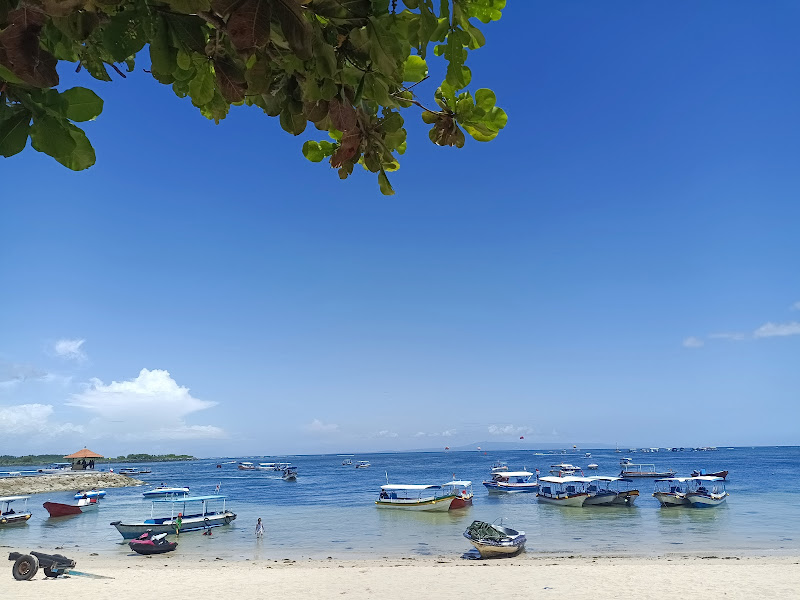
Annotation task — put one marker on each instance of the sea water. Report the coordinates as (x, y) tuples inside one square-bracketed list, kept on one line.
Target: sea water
[(330, 510)]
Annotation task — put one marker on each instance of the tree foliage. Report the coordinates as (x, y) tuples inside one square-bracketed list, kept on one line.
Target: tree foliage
[(348, 67)]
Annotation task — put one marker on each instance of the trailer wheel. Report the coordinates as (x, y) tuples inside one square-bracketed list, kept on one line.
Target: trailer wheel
[(25, 567), (49, 572)]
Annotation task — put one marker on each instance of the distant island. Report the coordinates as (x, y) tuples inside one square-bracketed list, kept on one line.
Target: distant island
[(46, 459)]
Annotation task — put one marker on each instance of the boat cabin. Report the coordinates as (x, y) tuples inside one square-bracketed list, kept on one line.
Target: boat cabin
[(512, 476), (461, 489), (562, 487), (8, 515), (178, 506)]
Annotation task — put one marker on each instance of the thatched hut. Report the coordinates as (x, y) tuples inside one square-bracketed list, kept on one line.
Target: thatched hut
[(82, 459)]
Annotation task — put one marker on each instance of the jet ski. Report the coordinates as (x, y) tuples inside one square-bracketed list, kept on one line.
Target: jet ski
[(147, 543)]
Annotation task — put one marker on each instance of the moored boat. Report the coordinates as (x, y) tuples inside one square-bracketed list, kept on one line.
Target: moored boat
[(699, 496), (462, 493), (363, 464), (347, 462), (563, 469), (600, 493), (58, 509), (430, 498), (165, 490), (701, 472), (8, 516), (247, 466), (180, 519), (495, 540), (512, 481), (289, 474), (562, 491), (266, 466), (630, 469), (90, 494), (499, 466), (593, 466), (671, 491)]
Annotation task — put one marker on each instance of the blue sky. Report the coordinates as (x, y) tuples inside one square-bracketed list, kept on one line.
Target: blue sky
[(619, 265)]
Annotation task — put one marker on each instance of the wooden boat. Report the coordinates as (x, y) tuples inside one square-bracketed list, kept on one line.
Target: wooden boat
[(699, 496), (165, 490), (671, 491), (266, 466), (562, 491), (462, 493), (180, 519), (511, 482), (247, 466), (701, 472), (600, 493), (630, 469), (429, 498), (57, 509), (495, 540), (8, 516)]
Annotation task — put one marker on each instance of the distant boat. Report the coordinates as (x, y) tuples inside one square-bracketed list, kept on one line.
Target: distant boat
[(499, 466), (495, 540), (56, 468), (511, 482), (266, 466), (163, 491), (363, 464), (57, 509), (563, 469), (8, 516), (247, 466), (199, 518), (347, 462), (289, 474), (90, 494), (701, 472), (593, 466), (630, 469), (133, 471), (414, 497)]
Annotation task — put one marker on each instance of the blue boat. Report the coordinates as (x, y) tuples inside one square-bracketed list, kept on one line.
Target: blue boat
[(181, 518), (164, 491), (511, 482), (90, 494)]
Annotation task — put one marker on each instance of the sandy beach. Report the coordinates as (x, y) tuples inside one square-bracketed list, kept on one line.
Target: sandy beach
[(526, 576), (62, 482)]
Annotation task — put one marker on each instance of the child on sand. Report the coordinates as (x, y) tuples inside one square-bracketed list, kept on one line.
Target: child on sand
[(259, 528)]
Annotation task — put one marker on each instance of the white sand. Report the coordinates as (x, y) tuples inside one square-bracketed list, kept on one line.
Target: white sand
[(527, 576)]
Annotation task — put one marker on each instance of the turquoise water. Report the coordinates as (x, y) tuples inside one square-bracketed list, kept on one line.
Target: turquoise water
[(329, 511)]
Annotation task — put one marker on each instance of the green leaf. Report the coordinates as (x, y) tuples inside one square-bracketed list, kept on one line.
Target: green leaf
[(82, 155), (415, 69), (293, 123), (248, 25), (163, 55), (51, 136), (383, 182), (483, 10), (296, 29), (82, 104), (14, 128), (313, 152), (123, 36), (188, 31), (485, 99), (201, 86)]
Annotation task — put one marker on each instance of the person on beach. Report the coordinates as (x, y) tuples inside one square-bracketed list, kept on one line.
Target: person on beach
[(259, 528), (178, 523)]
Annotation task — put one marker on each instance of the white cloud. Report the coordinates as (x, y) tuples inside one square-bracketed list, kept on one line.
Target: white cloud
[(508, 430), (449, 433), (11, 374), (420, 434), (732, 336), (317, 426), (777, 330), (32, 419), (70, 349), (692, 342), (385, 433), (151, 406)]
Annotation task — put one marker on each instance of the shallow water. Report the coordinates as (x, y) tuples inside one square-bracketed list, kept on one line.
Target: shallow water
[(329, 510)]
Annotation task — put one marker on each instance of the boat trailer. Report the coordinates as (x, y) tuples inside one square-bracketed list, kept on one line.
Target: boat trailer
[(27, 565)]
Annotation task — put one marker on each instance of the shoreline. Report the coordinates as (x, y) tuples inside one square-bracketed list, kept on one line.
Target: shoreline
[(584, 576), (28, 485)]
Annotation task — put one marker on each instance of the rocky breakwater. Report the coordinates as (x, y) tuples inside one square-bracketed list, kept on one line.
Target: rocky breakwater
[(60, 482)]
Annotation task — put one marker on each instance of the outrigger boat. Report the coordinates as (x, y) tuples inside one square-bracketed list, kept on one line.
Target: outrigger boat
[(563, 491), (563, 469), (499, 466), (495, 540), (415, 497), (630, 469), (164, 490), (347, 462), (363, 464), (189, 521), (462, 493), (699, 496), (671, 491), (511, 481), (57, 509), (600, 494), (8, 516), (247, 466), (701, 472), (266, 466), (90, 494)]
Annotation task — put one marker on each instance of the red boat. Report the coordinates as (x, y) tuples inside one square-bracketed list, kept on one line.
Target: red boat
[(56, 509), (462, 492)]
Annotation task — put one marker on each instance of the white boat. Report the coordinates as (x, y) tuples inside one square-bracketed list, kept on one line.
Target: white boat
[(90, 494), (512, 481), (563, 491), (289, 473), (247, 466), (499, 466), (180, 519), (587, 455), (630, 469), (9, 516), (563, 469), (671, 491), (266, 466), (363, 464), (347, 462), (165, 490), (699, 494), (429, 498), (495, 540), (56, 468), (600, 491), (593, 466)]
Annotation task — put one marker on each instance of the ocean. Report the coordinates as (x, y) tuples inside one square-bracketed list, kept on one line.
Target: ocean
[(330, 511)]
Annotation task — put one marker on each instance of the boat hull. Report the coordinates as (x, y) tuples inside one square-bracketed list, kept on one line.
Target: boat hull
[(502, 549), (428, 505), (14, 519), (130, 531), (148, 549), (704, 501), (668, 499), (646, 474), (626, 498), (56, 509), (164, 494), (460, 502), (91, 494), (497, 487), (603, 498), (576, 500)]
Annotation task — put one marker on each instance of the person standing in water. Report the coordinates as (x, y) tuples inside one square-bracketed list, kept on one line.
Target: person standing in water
[(178, 523), (259, 528)]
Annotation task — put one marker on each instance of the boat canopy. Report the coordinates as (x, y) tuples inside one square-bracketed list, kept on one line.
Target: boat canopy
[(680, 479), (707, 478), (569, 479), (457, 483), (397, 486), (514, 474), (13, 498), (602, 478), (179, 499)]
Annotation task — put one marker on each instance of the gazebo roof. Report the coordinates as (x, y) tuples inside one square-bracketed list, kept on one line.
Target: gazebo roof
[(85, 453)]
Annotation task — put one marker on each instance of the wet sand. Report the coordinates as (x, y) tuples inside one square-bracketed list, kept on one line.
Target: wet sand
[(526, 576)]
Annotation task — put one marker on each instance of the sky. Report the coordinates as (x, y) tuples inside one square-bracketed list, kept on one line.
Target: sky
[(621, 265)]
